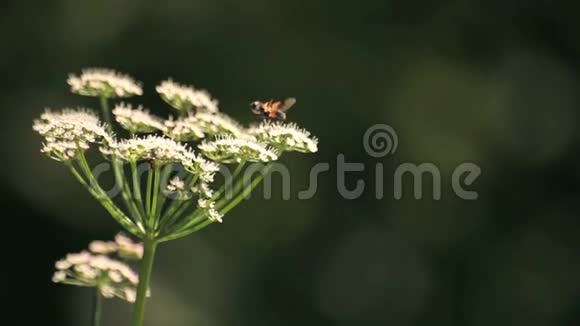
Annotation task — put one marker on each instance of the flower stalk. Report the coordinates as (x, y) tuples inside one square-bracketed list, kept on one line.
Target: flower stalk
[(145, 270), (106, 113), (153, 211), (97, 308)]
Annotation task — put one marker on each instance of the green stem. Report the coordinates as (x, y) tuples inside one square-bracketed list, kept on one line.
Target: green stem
[(193, 220), (153, 211), (186, 222), (97, 307), (178, 206), (229, 182), (175, 212), (238, 187), (148, 191), (118, 167), (137, 188), (164, 179), (150, 246), (96, 191), (125, 191), (82, 160), (244, 193), (106, 113), (177, 203), (187, 232)]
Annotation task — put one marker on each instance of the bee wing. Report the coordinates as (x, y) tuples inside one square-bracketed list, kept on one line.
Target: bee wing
[(287, 104)]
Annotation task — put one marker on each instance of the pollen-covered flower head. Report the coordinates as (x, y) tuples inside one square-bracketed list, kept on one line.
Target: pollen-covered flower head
[(159, 150), (111, 277), (201, 125), (186, 98), (101, 82), (69, 131), (137, 120), (230, 150), (285, 137)]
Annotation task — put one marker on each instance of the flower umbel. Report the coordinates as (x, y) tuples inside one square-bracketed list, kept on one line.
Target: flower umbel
[(156, 149), (285, 137), (101, 82), (214, 124), (235, 150), (69, 131), (122, 246), (137, 120), (111, 277), (200, 125), (184, 129), (128, 249), (185, 98)]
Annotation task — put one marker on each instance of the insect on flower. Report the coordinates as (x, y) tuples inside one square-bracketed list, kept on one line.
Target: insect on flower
[(275, 110)]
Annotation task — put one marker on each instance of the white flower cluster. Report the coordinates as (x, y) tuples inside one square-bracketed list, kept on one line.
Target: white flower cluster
[(178, 188), (201, 125), (123, 246), (209, 207), (205, 169), (186, 98), (285, 137), (217, 124), (137, 120), (69, 131), (183, 129), (104, 83), (111, 277), (60, 150), (162, 150), (231, 150), (203, 190), (176, 184), (158, 149)]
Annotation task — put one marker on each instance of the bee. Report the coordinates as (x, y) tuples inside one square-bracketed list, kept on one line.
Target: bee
[(275, 110)]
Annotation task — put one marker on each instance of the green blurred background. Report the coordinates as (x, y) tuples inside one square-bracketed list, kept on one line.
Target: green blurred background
[(491, 82)]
